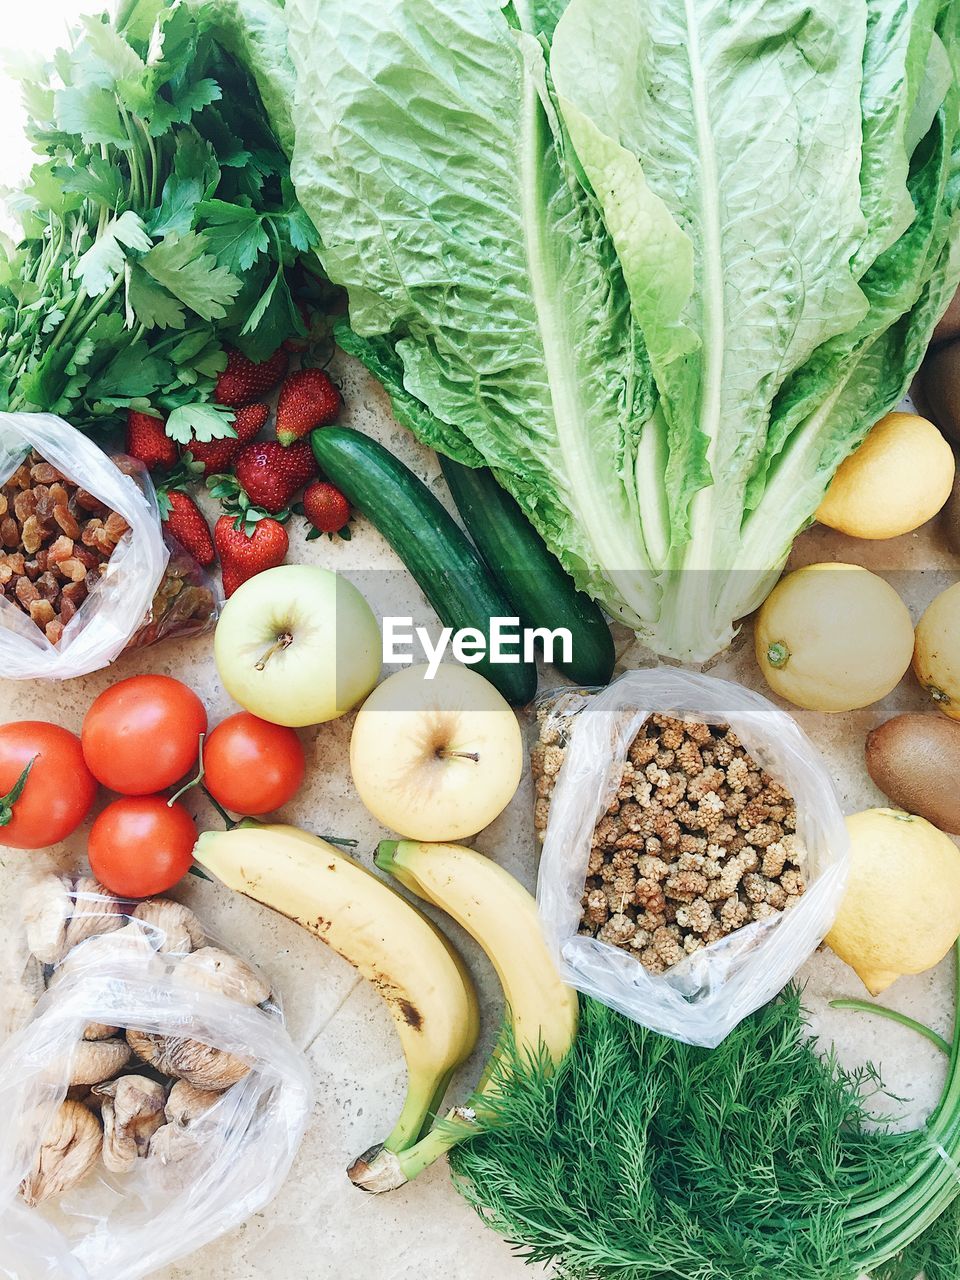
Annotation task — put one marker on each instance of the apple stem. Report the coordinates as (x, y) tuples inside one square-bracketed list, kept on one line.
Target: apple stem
[(444, 754), (282, 642)]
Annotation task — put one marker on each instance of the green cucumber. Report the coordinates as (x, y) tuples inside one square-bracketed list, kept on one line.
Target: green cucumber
[(429, 542), (535, 582)]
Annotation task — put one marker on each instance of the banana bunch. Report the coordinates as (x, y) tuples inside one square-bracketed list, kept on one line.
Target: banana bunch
[(417, 971), (413, 966), (501, 915)]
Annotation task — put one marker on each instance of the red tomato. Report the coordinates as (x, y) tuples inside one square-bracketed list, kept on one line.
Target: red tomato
[(58, 791), (141, 845), (142, 734), (252, 766)]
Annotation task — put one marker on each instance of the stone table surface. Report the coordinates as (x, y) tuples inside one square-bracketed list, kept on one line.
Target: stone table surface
[(319, 1225)]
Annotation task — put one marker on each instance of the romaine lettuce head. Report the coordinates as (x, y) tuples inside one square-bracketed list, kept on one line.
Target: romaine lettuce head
[(660, 265)]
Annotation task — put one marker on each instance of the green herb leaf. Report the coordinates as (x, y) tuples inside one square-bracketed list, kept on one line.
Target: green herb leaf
[(186, 101), (151, 304), (104, 260), (182, 265), (93, 114), (98, 180), (108, 51), (201, 422), (271, 321), (135, 371), (234, 233)]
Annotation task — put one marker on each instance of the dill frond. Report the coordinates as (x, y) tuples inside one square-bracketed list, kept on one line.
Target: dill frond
[(641, 1158)]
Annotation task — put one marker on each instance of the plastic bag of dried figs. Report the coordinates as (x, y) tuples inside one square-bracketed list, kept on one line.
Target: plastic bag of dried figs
[(694, 851), (84, 568), (153, 1101)]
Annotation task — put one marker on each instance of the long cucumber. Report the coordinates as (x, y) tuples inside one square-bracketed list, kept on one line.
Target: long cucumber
[(428, 540), (534, 580)]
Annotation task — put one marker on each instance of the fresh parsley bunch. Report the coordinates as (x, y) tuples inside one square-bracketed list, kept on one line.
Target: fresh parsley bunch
[(159, 226)]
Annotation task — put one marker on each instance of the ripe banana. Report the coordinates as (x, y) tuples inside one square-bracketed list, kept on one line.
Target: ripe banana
[(424, 982), (502, 916)]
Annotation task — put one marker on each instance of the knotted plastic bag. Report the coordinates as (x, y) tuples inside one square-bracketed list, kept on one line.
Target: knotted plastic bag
[(116, 608), (701, 999), (181, 1194)]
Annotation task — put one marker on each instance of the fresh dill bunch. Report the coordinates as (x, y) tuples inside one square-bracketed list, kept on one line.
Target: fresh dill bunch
[(641, 1158)]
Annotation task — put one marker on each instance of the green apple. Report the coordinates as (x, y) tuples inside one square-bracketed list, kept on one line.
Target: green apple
[(297, 645), (436, 759)]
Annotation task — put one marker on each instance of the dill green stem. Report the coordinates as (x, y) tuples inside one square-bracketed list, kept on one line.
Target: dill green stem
[(893, 1015), (888, 1222)]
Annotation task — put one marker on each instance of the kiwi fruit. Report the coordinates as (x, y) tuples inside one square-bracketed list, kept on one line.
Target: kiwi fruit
[(915, 761)]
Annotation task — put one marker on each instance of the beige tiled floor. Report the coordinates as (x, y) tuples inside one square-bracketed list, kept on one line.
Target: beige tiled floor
[(320, 1226)]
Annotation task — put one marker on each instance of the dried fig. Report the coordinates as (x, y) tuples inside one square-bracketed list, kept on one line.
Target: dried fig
[(95, 1060), (68, 1151), (95, 911), (46, 908), (218, 971), (171, 926), (201, 1064), (132, 1111)]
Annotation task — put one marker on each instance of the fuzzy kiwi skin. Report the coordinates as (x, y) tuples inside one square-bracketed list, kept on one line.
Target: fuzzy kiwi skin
[(915, 761)]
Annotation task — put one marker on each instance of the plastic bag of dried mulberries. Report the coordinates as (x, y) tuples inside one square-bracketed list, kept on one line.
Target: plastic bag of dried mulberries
[(694, 851)]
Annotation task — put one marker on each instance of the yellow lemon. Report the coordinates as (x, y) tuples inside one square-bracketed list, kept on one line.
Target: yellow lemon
[(896, 481), (901, 910), (833, 637), (936, 654)]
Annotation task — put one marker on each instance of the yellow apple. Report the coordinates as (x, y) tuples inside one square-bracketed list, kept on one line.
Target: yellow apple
[(436, 759), (297, 645)]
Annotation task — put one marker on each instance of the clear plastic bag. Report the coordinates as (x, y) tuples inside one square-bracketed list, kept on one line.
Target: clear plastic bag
[(701, 999), (225, 1166), (116, 608)]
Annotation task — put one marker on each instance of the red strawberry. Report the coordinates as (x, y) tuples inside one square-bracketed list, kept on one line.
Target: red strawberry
[(216, 455), (325, 507), (242, 381), (271, 474), (147, 440), (244, 555), (308, 399), (184, 521)]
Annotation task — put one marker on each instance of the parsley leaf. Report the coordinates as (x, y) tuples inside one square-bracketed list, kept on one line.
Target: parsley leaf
[(135, 371), (93, 114), (185, 102), (104, 260), (201, 422), (181, 265), (151, 304), (108, 52), (235, 233), (98, 180)]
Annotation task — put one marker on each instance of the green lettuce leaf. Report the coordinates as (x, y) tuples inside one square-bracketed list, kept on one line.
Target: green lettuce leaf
[(659, 265), (506, 298)]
